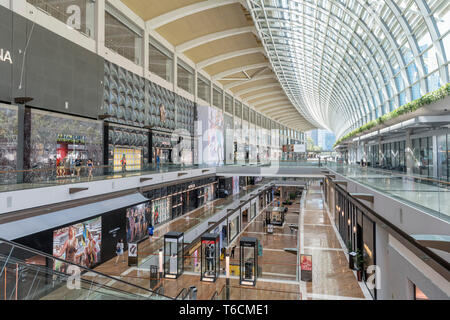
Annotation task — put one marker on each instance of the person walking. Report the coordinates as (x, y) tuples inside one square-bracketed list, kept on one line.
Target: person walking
[(90, 165), (232, 252), (150, 233), (119, 251), (78, 166), (123, 162)]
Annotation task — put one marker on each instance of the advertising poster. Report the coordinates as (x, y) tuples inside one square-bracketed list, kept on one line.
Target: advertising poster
[(306, 267), (132, 254), (79, 243), (137, 222), (235, 185), (211, 135)]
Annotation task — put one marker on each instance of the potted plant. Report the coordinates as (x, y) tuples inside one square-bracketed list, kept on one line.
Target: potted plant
[(359, 262)]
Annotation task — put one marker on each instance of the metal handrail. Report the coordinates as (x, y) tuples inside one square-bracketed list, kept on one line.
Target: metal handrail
[(14, 244), (183, 293), (437, 263), (58, 273)]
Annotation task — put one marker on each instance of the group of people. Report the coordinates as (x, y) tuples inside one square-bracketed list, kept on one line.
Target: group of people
[(84, 251), (138, 219), (64, 167)]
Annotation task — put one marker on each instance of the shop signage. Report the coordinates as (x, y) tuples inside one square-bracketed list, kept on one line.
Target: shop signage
[(306, 267), (71, 138), (5, 56), (132, 254)]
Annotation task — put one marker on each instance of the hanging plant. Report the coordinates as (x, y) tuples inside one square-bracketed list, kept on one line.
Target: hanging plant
[(412, 106)]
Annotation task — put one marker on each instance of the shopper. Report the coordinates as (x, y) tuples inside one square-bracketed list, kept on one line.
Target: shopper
[(78, 166), (119, 251), (90, 165), (123, 162), (158, 160), (150, 233)]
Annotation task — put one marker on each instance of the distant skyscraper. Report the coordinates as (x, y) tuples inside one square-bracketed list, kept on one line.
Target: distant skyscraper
[(322, 138)]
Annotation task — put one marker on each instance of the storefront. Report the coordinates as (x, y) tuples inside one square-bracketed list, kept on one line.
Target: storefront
[(356, 229), (86, 235), (54, 141), (174, 200), (161, 147), (126, 143)]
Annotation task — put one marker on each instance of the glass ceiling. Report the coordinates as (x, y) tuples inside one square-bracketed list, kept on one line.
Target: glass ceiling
[(344, 63)]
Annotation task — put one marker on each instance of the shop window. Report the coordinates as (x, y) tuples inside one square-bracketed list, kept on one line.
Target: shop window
[(185, 77), (122, 36), (160, 60), (77, 14)]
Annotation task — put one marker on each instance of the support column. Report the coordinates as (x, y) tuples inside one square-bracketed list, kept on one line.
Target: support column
[(20, 142), (100, 27), (409, 153)]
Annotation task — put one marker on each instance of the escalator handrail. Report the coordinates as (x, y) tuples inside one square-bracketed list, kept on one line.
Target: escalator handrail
[(184, 290), (14, 244), (35, 267)]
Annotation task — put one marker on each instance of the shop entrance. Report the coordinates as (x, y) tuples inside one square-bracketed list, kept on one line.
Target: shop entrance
[(68, 149), (245, 217)]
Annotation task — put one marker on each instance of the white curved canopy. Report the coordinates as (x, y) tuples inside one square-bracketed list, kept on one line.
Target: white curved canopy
[(343, 63)]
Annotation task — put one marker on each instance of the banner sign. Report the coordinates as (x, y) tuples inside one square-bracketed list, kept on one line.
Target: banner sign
[(306, 267), (132, 254)]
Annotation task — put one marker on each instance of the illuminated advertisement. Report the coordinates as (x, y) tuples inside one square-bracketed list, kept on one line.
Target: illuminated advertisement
[(137, 222), (235, 185), (79, 244), (212, 135)]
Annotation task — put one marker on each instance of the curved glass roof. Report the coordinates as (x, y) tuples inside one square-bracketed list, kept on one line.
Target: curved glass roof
[(343, 63)]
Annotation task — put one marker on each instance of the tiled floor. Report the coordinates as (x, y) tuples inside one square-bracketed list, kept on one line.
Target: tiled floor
[(331, 279)]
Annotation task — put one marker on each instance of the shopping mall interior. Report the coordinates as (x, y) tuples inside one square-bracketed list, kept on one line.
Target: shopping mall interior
[(157, 150)]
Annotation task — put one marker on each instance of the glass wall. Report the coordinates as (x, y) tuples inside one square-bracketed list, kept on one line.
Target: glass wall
[(160, 60), (228, 103), (423, 156), (217, 97), (234, 227), (443, 155), (393, 156), (122, 36), (77, 14), (185, 77), (203, 88)]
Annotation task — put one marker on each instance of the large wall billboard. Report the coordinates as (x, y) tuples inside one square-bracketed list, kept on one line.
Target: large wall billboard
[(79, 243), (212, 138), (137, 222)]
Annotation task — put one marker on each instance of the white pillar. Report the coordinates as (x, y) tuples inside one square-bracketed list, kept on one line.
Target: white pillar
[(100, 27)]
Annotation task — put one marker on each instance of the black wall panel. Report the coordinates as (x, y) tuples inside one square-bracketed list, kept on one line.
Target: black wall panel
[(55, 70)]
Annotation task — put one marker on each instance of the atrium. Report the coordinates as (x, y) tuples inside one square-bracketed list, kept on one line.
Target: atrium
[(160, 150)]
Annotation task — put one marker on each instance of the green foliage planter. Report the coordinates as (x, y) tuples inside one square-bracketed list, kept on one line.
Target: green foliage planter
[(412, 106)]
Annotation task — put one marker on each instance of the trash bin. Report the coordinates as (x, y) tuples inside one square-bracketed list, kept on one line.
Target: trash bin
[(153, 276), (192, 293), (351, 260)]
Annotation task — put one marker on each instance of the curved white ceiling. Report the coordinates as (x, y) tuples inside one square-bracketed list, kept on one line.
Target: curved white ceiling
[(343, 63)]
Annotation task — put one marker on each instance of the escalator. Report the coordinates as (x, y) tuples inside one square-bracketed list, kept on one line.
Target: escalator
[(27, 274)]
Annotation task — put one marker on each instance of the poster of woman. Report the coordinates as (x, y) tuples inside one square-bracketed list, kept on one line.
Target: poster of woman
[(79, 244)]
